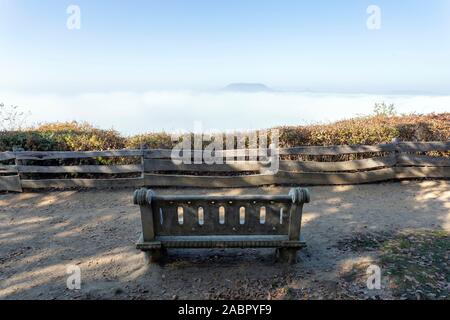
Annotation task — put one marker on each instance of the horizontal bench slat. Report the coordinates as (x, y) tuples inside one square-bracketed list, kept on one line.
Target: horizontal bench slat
[(107, 169)]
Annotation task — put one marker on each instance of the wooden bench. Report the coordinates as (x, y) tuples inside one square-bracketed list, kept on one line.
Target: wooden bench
[(204, 221)]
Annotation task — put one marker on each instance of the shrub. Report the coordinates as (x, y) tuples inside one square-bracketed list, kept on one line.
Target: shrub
[(370, 130), (73, 136), (68, 136), (156, 140)]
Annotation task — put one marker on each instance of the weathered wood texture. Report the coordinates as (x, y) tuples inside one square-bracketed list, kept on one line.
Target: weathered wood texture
[(169, 165), (417, 173), (296, 178), (281, 178), (284, 165), (52, 155), (6, 156), (10, 183), (161, 180), (337, 150), (82, 183), (161, 154), (404, 160), (317, 150), (423, 161), (306, 150), (106, 169), (354, 165), (423, 146), (8, 169)]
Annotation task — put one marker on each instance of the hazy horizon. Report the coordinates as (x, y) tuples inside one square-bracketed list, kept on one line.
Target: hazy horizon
[(174, 110)]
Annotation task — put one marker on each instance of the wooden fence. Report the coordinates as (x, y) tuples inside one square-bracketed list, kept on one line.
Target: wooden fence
[(153, 168)]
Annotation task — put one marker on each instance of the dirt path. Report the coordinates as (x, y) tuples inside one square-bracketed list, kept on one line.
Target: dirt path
[(43, 233)]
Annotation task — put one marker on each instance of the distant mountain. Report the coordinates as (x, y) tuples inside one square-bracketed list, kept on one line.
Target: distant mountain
[(247, 87)]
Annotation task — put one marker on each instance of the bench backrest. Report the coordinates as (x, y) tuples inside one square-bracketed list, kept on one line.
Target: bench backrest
[(205, 215)]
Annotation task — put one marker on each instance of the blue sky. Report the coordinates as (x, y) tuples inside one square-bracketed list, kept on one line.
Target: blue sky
[(306, 45), (158, 64)]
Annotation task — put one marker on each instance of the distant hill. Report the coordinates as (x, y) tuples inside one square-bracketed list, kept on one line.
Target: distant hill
[(247, 87)]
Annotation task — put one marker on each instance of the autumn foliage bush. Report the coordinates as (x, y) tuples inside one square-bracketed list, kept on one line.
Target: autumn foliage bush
[(67, 136), (370, 130), (74, 136), (157, 140)]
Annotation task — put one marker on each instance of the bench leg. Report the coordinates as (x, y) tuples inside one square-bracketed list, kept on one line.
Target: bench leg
[(287, 255), (155, 255)]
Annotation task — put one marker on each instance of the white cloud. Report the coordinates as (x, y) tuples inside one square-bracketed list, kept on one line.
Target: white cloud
[(131, 112)]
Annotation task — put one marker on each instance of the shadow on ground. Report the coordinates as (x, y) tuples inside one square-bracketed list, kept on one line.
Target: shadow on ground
[(41, 234)]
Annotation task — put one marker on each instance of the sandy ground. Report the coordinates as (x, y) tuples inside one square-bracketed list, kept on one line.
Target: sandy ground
[(41, 234)]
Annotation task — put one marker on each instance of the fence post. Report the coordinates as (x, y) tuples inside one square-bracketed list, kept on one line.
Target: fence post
[(143, 160), (395, 142), (16, 149), (17, 162)]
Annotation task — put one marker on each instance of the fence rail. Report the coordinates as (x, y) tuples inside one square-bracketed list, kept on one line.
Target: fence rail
[(153, 168)]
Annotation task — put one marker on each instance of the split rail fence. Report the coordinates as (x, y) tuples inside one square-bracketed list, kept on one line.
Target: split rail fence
[(154, 168)]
